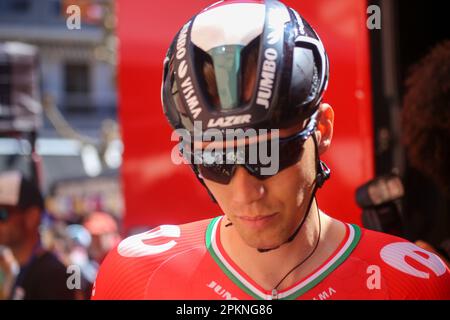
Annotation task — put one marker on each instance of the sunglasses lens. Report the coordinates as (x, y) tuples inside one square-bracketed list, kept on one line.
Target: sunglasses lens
[(220, 173), (290, 153), (3, 215), (220, 166)]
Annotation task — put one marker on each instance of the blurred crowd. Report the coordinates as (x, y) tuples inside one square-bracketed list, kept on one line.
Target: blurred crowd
[(45, 258), (51, 248)]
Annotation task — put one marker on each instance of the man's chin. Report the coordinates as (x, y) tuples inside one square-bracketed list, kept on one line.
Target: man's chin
[(260, 242), (258, 238)]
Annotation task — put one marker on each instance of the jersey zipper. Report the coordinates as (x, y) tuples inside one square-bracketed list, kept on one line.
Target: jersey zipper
[(274, 294)]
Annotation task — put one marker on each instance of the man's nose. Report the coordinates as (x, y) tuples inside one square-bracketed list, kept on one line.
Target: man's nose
[(246, 188)]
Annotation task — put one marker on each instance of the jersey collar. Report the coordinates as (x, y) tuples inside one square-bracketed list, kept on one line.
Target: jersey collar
[(351, 239)]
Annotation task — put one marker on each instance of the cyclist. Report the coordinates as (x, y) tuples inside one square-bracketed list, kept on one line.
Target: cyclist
[(251, 66)]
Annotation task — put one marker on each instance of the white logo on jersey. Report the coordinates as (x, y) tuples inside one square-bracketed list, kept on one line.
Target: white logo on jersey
[(325, 295), (394, 254), (221, 291), (134, 246)]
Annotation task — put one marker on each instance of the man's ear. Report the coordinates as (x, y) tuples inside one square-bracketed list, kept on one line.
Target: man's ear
[(325, 123)]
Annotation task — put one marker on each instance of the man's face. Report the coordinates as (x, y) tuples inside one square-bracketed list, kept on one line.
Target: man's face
[(101, 244), (12, 228), (266, 212)]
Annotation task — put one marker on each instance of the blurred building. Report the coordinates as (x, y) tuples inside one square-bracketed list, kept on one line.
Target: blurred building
[(76, 69), (78, 162)]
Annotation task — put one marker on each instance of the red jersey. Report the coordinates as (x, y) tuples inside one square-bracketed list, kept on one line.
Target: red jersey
[(189, 262)]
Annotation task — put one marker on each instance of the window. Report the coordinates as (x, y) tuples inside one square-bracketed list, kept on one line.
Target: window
[(56, 8), (5, 87), (77, 86), (20, 6), (77, 78)]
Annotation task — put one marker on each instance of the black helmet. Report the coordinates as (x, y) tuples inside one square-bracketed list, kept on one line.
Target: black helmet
[(207, 76)]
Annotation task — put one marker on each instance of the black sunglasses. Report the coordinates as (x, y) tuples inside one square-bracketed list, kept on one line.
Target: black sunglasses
[(221, 166), (4, 214)]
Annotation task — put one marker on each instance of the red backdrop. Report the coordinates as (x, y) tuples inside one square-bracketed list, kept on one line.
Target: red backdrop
[(157, 191)]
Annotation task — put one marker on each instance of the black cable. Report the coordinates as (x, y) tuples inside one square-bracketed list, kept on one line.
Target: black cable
[(321, 177), (292, 237), (308, 256), (323, 173)]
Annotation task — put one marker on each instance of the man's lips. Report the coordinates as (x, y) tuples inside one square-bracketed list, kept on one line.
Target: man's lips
[(256, 218), (257, 221)]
